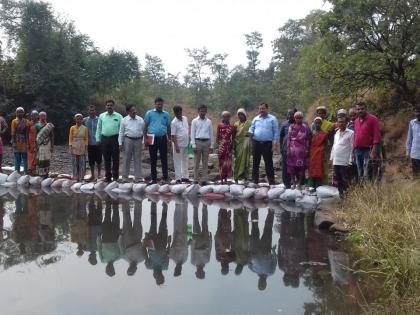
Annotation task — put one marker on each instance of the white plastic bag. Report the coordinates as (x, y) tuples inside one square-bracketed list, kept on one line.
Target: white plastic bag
[(164, 189), (236, 190), (100, 186), (178, 189), (327, 192), (152, 188), (35, 180), (3, 178), (274, 193), (111, 186), (248, 193), (205, 189), (291, 195), (261, 193), (13, 177), (46, 182), (23, 180), (76, 186), (220, 189), (192, 190), (139, 188), (87, 187)]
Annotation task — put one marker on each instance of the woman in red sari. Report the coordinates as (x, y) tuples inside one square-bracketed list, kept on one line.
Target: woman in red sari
[(224, 140), (34, 127), (317, 154)]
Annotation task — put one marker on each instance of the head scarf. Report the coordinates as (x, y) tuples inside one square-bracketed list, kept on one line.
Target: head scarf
[(78, 114), (298, 114), (342, 112), (20, 109), (317, 118), (241, 111)]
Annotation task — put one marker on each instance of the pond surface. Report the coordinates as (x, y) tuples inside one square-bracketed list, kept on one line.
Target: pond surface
[(84, 254)]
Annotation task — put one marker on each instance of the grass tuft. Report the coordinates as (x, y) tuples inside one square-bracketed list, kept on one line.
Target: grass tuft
[(385, 223)]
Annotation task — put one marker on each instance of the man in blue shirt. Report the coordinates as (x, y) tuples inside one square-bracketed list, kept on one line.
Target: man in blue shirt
[(265, 133), (284, 130), (94, 150), (157, 127), (413, 143)]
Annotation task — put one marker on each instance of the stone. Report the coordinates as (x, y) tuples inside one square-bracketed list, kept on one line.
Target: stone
[(323, 220), (340, 228)]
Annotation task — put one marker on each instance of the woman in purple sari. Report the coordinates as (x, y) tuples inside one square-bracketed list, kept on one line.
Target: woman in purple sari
[(298, 141)]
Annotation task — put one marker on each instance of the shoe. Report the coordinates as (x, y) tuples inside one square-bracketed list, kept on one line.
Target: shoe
[(122, 180), (178, 181), (185, 180), (108, 180)]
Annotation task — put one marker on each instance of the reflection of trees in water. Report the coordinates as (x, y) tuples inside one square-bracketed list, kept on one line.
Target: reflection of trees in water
[(299, 243)]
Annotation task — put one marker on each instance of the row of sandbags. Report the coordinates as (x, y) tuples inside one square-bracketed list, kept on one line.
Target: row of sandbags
[(277, 192)]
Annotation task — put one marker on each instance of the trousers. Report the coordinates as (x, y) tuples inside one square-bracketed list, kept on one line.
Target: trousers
[(341, 174), (287, 180), (181, 163), (133, 149), (201, 153), (362, 161), (161, 145), (264, 149), (111, 153), (21, 157)]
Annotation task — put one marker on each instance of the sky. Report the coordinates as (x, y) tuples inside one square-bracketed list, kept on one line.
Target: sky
[(165, 28)]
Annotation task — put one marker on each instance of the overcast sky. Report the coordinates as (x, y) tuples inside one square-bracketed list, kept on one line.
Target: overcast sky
[(166, 27)]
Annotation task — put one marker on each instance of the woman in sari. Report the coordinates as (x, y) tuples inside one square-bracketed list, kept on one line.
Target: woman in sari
[(19, 130), (224, 140), (45, 145), (78, 141), (3, 129), (298, 140), (317, 154), (328, 127), (242, 147), (34, 127)]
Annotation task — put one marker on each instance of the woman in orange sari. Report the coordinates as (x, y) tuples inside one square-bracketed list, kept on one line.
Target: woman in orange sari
[(34, 127), (317, 154)]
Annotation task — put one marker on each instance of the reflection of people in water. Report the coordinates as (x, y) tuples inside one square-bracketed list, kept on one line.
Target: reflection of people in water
[(46, 225), (95, 228), (1, 219), (263, 257), (108, 248), (241, 238), (79, 230), (130, 241), (292, 250), (179, 248), (202, 241), (158, 243), (223, 241), (25, 227)]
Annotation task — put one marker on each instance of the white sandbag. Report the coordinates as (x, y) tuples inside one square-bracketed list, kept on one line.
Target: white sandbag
[(139, 188), (164, 189), (307, 201), (3, 178), (23, 180), (13, 177), (152, 188), (205, 189), (67, 183), (220, 189), (236, 190), (76, 186), (58, 183), (126, 186), (9, 184), (179, 188), (111, 186), (327, 192), (87, 187), (35, 180), (291, 194), (248, 193), (261, 193), (119, 191), (192, 190), (47, 182), (64, 176), (100, 186), (274, 193)]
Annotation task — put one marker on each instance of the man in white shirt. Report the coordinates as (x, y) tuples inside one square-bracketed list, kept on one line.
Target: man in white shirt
[(180, 140), (201, 142), (130, 139), (341, 154)]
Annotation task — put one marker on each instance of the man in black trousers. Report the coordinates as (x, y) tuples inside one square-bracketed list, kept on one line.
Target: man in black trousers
[(107, 135), (264, 131)]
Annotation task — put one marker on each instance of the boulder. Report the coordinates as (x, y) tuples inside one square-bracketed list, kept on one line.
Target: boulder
[(323, 220)]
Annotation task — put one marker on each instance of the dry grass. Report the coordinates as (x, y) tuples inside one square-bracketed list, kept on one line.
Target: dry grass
[(386, 234)]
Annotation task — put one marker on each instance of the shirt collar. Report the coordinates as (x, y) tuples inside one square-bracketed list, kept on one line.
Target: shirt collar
[(110, 114)]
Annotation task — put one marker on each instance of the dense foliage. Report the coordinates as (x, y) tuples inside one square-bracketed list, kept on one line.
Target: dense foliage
[(357, 49)]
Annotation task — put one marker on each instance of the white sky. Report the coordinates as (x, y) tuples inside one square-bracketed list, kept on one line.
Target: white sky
[(166, 27)]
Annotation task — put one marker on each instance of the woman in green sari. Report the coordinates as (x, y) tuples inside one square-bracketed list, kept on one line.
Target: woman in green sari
[(242, 147)]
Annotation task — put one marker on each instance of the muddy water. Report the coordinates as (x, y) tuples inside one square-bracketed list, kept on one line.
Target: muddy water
[(83, 254)]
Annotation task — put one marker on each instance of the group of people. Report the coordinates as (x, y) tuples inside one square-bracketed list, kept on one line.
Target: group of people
[(348, 148), (32, 141)]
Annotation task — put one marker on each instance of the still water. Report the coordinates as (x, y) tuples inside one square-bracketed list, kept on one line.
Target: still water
[(88, 254)]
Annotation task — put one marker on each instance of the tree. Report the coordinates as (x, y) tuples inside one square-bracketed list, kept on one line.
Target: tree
[(197, 78), (254, 42), (154, 70), (373, 44)]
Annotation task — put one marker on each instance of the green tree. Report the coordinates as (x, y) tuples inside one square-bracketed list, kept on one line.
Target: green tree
[(197, 78), (254, 42)]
